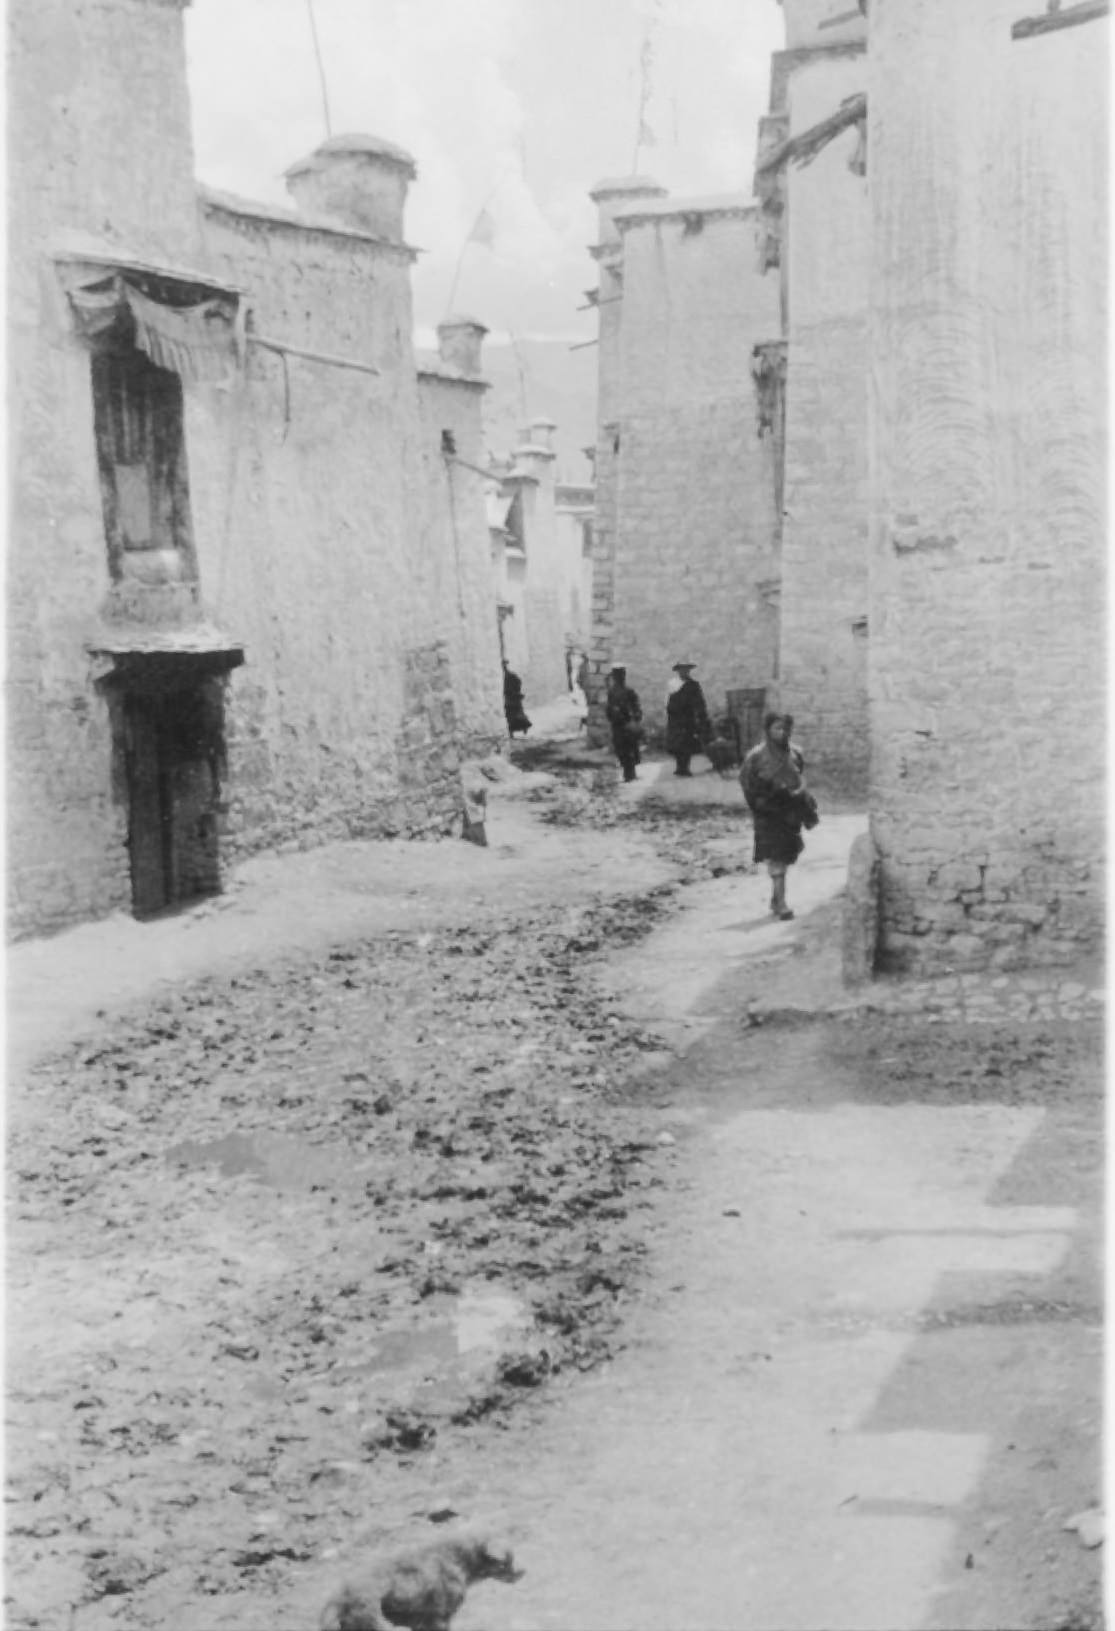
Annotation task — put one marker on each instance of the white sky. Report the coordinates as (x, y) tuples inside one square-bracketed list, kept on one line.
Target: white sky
[(536, 99)]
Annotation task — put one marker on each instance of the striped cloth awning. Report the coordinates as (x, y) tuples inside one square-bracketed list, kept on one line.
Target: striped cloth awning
[(203, 342)]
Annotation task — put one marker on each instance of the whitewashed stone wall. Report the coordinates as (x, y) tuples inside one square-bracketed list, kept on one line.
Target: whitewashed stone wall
[(694, 535), (824, 641), (988, 176), (458, 553), (314, 508), (99, 154)]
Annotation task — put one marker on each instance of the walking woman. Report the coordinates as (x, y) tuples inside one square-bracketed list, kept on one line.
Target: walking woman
[(773, 782)]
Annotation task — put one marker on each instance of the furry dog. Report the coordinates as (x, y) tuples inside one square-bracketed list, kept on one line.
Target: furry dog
[(421, 1589)]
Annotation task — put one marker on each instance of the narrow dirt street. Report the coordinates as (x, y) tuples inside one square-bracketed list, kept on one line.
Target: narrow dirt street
[(550, 1185)]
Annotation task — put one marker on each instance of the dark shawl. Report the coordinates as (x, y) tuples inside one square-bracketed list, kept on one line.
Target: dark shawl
[(625, 716), (770, 779)]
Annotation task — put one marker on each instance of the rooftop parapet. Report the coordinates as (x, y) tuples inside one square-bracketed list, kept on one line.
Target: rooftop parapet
[(358, 180)]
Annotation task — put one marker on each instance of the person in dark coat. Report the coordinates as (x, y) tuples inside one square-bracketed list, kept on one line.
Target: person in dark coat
[(513, 709), (687, 721), (625, 716), (773, 782)]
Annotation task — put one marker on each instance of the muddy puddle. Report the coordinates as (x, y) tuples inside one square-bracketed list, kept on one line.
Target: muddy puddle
[(474, 1324), (281, 1162)]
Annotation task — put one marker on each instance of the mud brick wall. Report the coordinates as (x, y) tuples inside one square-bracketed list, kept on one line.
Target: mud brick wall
[(306, 483), (824, 644), (99, 148), (608, 253), (987, 484), (314, 533), (457, 546), (694, 526), (532, 477)]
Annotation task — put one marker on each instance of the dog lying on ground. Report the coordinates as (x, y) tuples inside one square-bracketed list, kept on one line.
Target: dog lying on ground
[(420, 1590)]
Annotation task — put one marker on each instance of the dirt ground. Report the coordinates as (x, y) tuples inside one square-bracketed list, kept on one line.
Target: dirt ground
[(423, 1182)]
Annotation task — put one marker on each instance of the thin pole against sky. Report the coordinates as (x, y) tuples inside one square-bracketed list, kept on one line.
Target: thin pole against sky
[(320, 68), (644, 136)]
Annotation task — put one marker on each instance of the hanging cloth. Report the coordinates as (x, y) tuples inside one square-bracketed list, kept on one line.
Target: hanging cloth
[(97, 307), (198, 342), (203, 343)]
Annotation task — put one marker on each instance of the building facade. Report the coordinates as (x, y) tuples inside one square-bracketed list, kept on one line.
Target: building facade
[(988, 280), (229, 592), (537, 548), (685, 559), (814, 242)]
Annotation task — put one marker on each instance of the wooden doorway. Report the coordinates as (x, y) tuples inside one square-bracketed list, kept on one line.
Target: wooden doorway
[(746, 709), (173, 756)]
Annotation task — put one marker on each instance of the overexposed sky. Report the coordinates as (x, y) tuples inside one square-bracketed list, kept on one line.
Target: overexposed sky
[(520, 103)]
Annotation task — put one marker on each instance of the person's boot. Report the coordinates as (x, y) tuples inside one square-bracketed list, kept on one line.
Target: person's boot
[(778, 905)]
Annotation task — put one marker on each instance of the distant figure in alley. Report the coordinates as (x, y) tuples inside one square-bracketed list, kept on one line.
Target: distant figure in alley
[(625, 716), (773, 782), (687, 721), (513, 709)]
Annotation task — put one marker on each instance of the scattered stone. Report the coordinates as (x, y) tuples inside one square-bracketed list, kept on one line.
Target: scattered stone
[(665, 1139), (525, 1369), (240, 1350)]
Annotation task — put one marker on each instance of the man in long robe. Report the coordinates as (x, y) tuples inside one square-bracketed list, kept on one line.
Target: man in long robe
[(687, 721)]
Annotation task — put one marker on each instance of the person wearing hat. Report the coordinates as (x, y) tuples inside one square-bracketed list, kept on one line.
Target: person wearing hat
[(687, 721), (625, 716)]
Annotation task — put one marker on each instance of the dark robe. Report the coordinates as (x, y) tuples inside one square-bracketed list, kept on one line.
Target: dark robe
[(625, 716), (687, 721), (771, 779), (513, 709)]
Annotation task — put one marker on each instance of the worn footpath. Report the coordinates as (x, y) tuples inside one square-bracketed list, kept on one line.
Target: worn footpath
[(522, 1185)]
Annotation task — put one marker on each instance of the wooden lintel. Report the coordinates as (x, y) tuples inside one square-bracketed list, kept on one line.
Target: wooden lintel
[(1087, 11)]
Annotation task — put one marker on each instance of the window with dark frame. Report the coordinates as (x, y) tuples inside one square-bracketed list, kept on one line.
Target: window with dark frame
[(141, 457)]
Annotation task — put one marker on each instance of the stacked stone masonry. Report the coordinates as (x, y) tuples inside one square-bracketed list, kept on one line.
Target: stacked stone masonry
[(987, 485), (825, 632), (687, 531)]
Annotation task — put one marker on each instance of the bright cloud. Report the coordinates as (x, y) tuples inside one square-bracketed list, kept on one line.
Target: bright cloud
[(512, 104)]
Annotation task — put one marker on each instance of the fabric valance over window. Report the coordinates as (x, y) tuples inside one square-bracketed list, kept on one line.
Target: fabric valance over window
[(202, 341)]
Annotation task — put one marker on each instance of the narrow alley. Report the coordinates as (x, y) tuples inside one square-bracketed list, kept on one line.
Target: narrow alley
[(552, 1186)]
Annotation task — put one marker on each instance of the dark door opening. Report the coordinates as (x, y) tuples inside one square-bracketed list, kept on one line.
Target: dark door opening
[(745, 709), (173, 753)]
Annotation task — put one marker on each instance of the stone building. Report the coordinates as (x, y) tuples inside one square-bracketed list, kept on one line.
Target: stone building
[(685, 559), (814, 233), (573, 505), (530, 550), (988, 159), (244, 573)]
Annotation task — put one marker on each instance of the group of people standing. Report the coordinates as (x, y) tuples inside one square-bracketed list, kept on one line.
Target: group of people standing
[(772, 776), (688, 727)]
